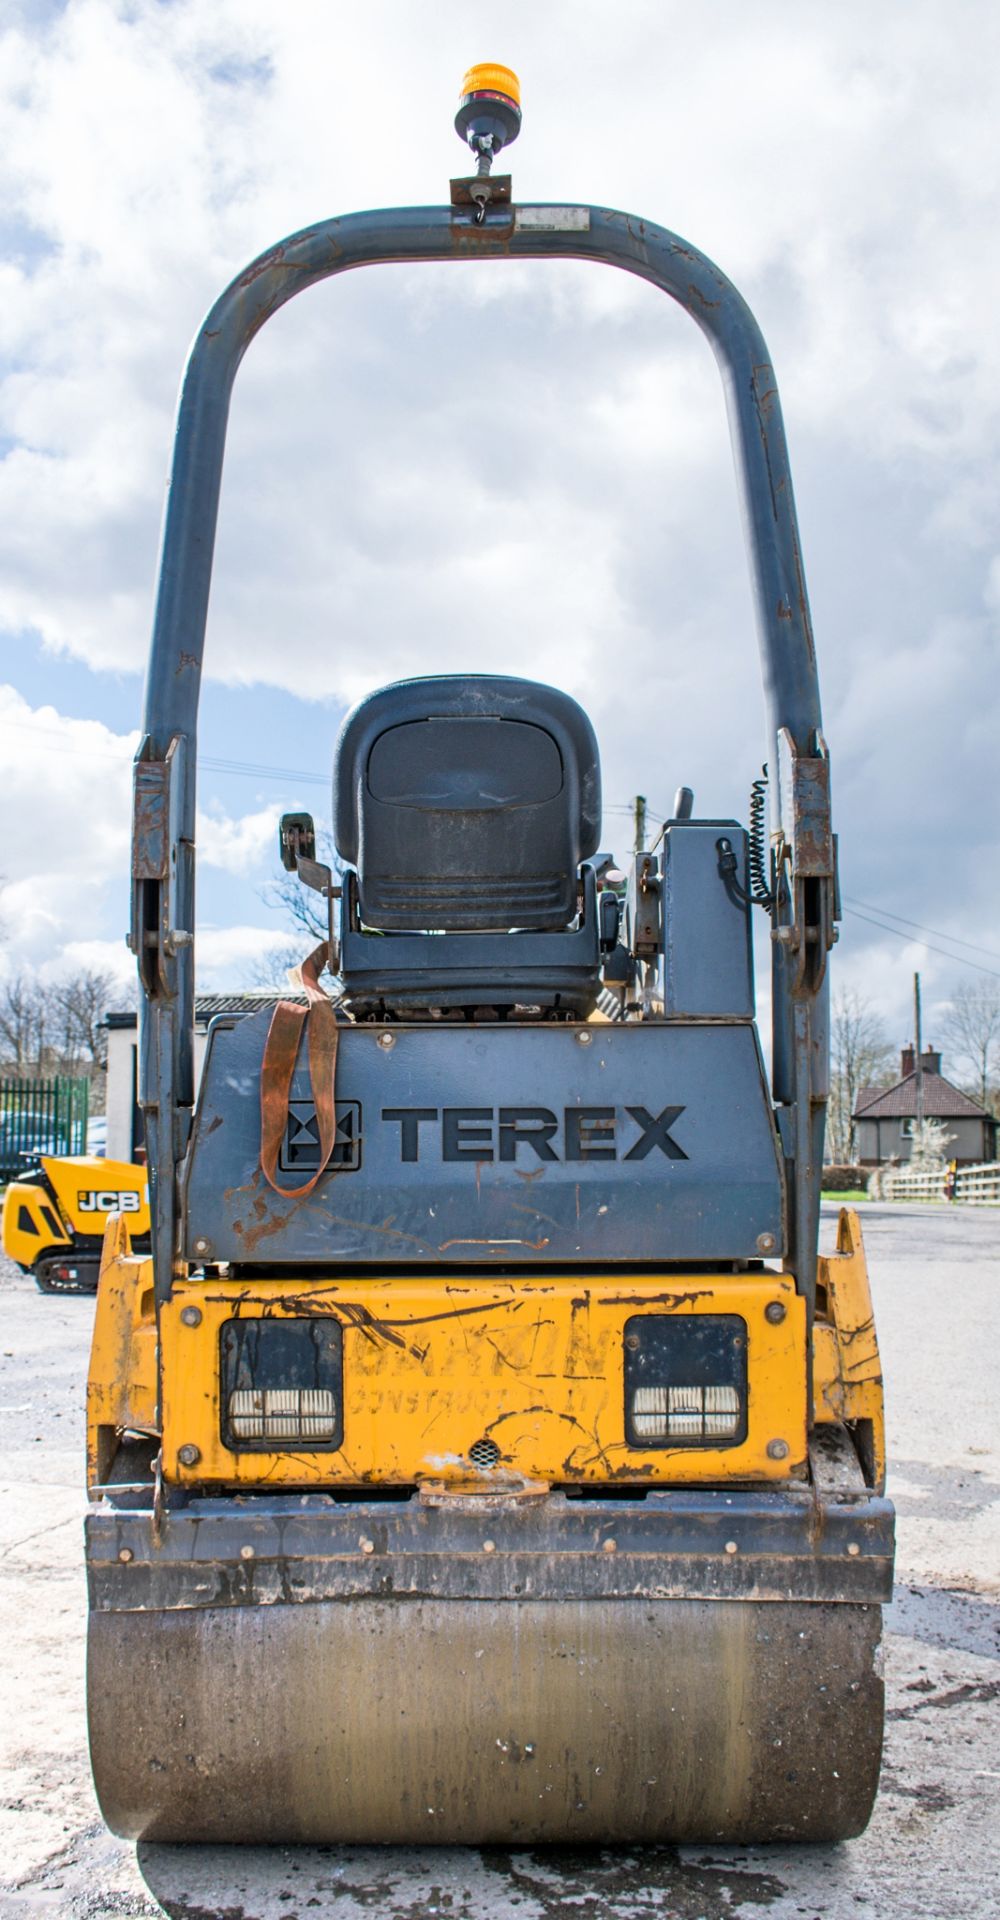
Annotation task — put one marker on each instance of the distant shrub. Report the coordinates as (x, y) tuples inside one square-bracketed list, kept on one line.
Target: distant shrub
[(845, 1179)]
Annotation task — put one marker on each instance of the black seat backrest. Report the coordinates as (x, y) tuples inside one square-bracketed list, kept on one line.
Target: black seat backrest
[(467, 802)]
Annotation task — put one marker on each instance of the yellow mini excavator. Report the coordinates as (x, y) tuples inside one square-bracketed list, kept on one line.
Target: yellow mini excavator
[(484, 1452), (54, 1215)]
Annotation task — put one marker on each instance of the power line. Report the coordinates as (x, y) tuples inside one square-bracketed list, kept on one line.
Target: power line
[(938, 932), (929, 944), (255, 770), (251, 769)]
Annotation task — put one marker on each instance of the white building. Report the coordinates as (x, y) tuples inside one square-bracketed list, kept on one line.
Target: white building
[(123, 1115)]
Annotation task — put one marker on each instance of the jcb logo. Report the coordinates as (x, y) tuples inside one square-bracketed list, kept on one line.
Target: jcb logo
[(106, 1200)]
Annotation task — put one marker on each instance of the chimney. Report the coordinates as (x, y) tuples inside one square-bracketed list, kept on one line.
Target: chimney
[(907, 1062), (930, 1061)]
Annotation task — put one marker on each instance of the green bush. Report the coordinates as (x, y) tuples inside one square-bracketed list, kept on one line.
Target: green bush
[(845, 1179)]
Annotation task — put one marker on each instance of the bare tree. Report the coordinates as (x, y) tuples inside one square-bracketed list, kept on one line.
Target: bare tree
[(971, 1029), (22, 1022), (57, 1026), (81, 1002), (860, 1056), (270, 969)]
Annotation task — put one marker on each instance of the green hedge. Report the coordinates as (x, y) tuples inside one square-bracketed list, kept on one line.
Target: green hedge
[(845, 1179)]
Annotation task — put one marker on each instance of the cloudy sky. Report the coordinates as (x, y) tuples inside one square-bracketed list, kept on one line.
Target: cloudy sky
[(509, 467)]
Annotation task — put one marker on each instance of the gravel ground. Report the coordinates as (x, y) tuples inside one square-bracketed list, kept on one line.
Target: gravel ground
[(932, 1851)]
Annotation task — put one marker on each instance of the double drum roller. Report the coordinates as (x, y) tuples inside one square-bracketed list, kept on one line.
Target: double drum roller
[(483, 1452)]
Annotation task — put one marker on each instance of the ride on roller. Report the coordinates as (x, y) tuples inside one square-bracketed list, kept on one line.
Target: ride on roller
[(484, 1453)]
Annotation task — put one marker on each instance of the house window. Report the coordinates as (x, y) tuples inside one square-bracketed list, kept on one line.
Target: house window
[(906, 1127)]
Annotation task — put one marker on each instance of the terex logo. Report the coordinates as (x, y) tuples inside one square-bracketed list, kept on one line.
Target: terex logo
[(496, 1133), (106, 1200)]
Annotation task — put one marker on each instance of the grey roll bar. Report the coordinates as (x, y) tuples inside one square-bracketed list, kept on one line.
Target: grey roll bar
[(164, 816)]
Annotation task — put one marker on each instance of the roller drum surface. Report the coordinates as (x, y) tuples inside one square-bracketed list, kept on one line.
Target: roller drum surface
[(371, 1720)]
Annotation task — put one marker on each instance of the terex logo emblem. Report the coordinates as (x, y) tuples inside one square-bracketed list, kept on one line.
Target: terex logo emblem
[(106, 1200), (496, 1133), (300, 1147)]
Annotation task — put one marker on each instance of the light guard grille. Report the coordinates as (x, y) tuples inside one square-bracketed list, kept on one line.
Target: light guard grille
[(685, 1380), (281, 1383)]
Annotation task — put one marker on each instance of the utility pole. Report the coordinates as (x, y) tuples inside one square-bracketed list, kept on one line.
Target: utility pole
[(639, 815), (918, 1049)]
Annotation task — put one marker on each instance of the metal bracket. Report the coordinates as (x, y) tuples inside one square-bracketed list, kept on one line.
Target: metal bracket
[(481, 191), (644, 908), (805, 861), (297, 844)]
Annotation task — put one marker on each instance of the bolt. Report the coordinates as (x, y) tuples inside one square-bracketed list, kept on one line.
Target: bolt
[(731, 1546), (189, 1455), (777, 1449), (489, 1546), (367, 1546), (202, 1246), (191, 1316), (246, 1553), (632, 1342), (853, 1548), (386, 1040), (775, 1311), (765, 1243), (610, 1546), (125, 1553), (584, 1038)]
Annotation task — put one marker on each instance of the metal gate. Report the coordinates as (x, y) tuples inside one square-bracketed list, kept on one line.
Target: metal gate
[(41, 1116)]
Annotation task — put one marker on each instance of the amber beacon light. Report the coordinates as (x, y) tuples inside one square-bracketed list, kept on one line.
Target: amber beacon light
[(489, 111)]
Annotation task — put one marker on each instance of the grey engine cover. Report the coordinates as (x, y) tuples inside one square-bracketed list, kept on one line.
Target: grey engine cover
[(500, 1145)]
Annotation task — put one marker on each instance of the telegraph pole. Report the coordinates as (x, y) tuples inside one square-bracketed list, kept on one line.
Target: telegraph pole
[(919, 1050), (639, 816)]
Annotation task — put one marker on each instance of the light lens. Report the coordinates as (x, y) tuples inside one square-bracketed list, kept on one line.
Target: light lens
[(490, 77), (685, 1380), (281, 1383), (282, 1414), (685, 1413)]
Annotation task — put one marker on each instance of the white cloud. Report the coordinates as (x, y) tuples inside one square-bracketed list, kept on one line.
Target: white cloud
[(95, 956), (67, 801), (226, 955), (520, 468), (66, 786), (237, 846)]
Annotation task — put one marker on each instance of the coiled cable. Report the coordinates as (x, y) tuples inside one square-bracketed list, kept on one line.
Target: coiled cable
[(761, 891)]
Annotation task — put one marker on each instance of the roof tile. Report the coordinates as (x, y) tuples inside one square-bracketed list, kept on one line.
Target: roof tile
[(942, 1101)]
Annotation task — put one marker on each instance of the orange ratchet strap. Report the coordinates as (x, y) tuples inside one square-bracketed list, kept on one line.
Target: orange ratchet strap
[(281, 1049)]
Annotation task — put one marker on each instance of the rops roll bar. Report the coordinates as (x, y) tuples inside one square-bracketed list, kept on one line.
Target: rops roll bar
[(164, 816)]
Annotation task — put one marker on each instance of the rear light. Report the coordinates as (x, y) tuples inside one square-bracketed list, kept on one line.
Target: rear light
[(686, 1413), (281, 1383), (685, 1380), (282, 1413)]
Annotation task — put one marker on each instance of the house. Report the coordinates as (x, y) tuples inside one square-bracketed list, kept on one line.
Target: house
[(885, 1116), (124, 1118)]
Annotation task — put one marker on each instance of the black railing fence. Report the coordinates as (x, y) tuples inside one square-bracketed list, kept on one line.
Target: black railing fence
[(40, 1116)]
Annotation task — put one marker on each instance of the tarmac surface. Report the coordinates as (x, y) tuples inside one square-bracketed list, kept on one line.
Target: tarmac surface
[(932, 1851)]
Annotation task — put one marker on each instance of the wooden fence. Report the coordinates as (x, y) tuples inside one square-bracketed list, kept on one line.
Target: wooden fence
[(975, 1186)]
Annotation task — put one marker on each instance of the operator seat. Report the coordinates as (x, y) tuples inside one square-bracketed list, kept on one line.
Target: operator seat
[(464, 807)]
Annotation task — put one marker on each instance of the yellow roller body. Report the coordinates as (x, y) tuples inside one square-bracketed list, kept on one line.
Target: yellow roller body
[(431, 1368), (571, 1636)]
